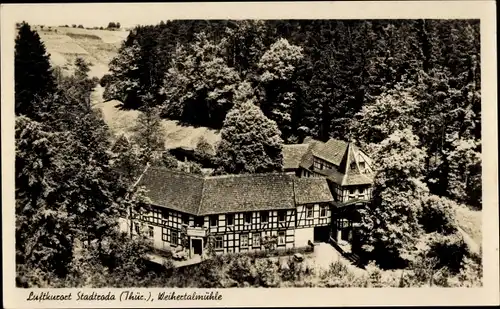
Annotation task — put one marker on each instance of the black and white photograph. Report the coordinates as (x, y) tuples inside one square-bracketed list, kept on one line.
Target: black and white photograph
[(239, 153)]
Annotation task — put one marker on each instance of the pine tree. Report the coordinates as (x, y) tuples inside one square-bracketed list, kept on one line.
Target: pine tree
[(148, 134), (33, 75), (250, 142)]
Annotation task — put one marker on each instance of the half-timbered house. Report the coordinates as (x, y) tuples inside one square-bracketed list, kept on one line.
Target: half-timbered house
[(349, 173), (236, 212), (311, 201)]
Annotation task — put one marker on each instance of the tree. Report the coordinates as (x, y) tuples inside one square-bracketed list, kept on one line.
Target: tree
[(390, 224), (393, 110), (33, 75), (123, 83), (250, 142), (148, 134), (199, 86), (464, 171), (41, 240), (277, 67)]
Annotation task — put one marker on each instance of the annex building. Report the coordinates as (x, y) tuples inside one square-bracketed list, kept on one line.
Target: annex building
[(308, 202)]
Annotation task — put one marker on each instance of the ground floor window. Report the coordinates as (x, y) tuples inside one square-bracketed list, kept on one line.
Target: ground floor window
[(218, 242), (151, 232), (164, 233), (175, 237), (244, 240), (255, 240), (281, 238)]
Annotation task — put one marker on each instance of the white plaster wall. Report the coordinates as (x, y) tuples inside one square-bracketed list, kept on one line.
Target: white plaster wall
[(157, 242), (123, 225), (303, 235)]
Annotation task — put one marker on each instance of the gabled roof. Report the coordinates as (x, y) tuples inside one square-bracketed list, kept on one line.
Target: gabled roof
[(292, 155), (199, 195), (307, 159), (180, 191), (332, 151), (251, 192), (312, 190), (340, 154)]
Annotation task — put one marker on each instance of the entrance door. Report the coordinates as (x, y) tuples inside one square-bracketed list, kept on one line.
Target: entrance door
[(321, 233), (197, 246)]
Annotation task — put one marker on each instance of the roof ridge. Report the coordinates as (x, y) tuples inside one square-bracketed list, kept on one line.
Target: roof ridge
[(246, 175), (347, 164), (178, 172), (140, 177), (200, 203)]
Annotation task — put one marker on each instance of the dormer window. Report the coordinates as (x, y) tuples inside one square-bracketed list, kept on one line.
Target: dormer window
[(230, 219), (353, 165)]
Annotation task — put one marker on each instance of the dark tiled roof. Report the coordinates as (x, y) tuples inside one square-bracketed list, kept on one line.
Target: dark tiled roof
[(307, 159), (341, 154), (356, 179), (312, 190), (174, 190), (230, 193), (292, 155), (252, 192), (333, 174), (332, 151)]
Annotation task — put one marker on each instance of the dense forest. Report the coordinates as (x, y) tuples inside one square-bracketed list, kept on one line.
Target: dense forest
[(351, 80), (407, 91)]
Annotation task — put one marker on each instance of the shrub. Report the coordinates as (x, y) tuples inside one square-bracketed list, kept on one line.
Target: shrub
[(268, 273), (169, 161), (438, 215), (449, 251), (242, 269), (105, 80)]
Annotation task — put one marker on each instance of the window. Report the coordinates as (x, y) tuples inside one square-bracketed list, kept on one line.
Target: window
[(264, 216), (164, 232), (230, 219), (214, 220), (244, 240), (198, 221), (281, 238), (248, 217), (137, 228), (256, 240), (175, 238), (309, 211), (218, 242), (151, 232), (164, 214), (362, 165), (353, 165), (281, 215), (185, 219), (351, 190), (323, 210)]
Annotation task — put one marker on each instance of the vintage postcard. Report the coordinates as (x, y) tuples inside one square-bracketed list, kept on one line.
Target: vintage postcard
[(249, 154)]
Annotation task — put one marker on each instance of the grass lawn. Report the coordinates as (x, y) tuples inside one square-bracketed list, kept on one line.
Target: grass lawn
[(470, 221)]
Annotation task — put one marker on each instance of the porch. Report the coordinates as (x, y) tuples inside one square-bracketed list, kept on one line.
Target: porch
[(344, 236)]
